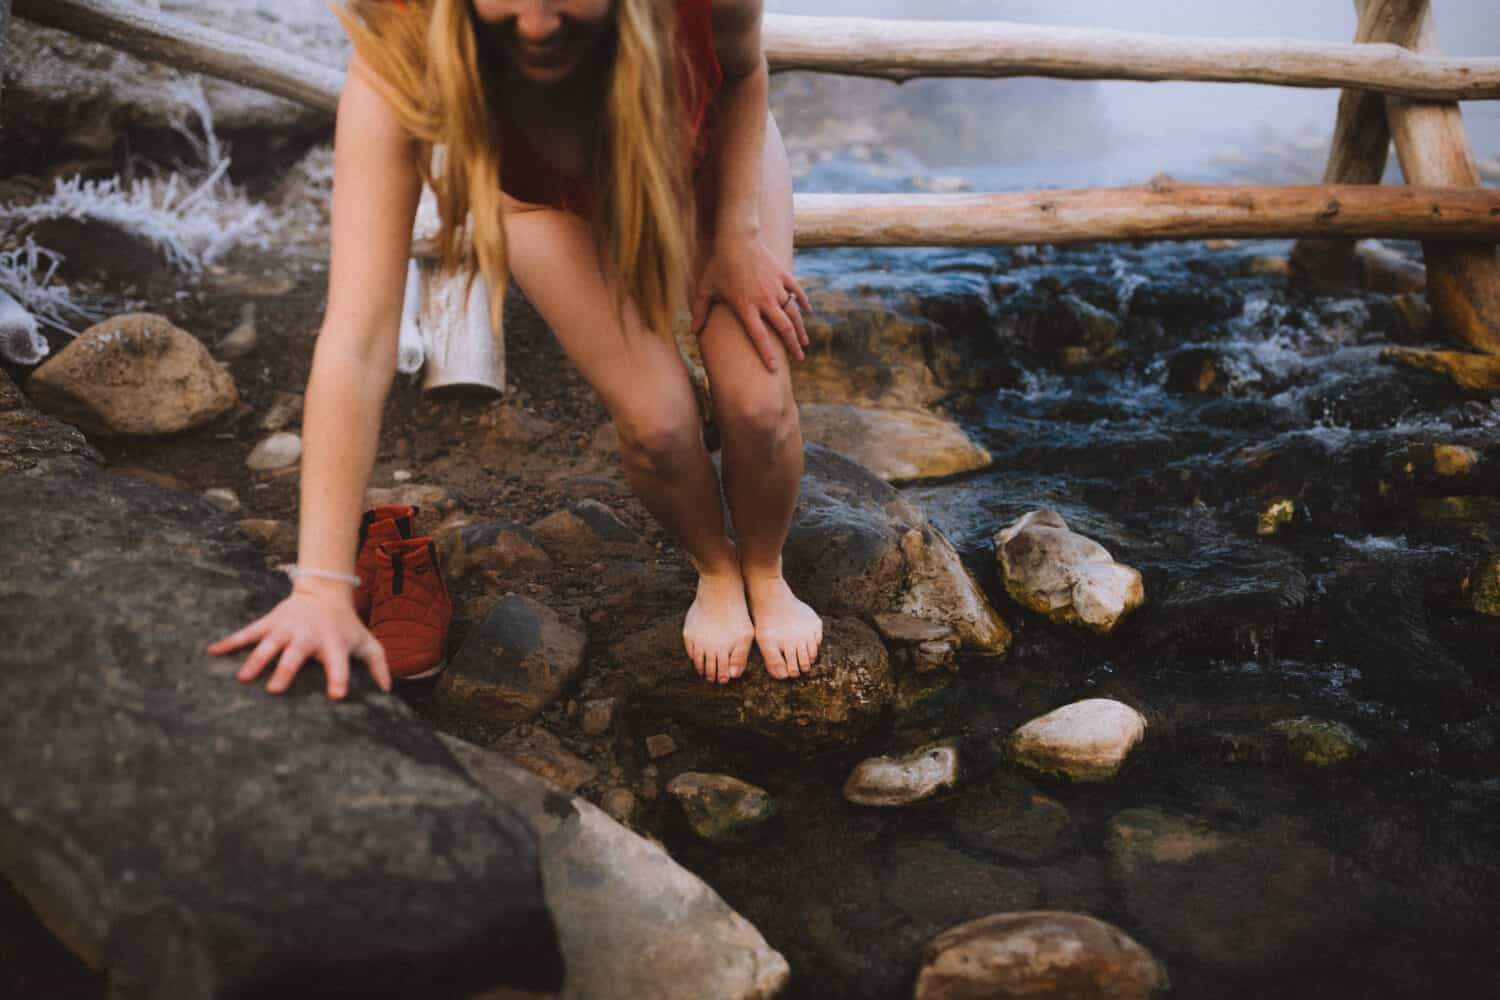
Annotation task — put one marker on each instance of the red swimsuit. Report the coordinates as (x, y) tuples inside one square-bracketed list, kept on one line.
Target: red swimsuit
[(526, 176)]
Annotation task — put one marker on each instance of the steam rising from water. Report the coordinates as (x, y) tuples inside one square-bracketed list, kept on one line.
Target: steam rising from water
[(1181, 126)]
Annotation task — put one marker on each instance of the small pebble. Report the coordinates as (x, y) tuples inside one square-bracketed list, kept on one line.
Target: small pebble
[(660, 745), (222, 498), (598, 716), (281, 450)]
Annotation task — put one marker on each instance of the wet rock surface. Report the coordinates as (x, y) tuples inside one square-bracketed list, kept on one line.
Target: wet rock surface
[(848, 694), (29, 437), (348, 845)]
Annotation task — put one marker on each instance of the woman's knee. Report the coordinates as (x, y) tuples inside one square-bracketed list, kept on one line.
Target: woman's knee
[(660, 443), (766, 417)]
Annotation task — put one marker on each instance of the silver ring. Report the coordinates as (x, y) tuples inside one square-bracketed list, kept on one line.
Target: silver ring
[(788, 301)]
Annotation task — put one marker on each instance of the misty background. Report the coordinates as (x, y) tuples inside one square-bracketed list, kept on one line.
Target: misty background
[(1184, 128)]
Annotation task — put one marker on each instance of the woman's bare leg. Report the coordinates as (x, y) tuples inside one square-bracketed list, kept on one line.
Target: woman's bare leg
[(762, 456), (642, 381)]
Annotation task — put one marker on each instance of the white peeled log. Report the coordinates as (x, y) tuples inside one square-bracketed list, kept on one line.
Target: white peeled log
[(409, 349), (464, 351), (20, 341)]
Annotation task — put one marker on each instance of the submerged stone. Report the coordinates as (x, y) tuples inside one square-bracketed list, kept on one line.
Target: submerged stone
[(1319, 742), (1085, 741), (938, 886), (1235, 902), (1009, 819), (1038, 954), (903, 780), (721, 808)]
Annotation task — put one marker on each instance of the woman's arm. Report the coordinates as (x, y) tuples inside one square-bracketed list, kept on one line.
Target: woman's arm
[(375, 190), (742, 271)]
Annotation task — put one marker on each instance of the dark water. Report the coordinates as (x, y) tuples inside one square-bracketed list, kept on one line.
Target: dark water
[(1245, 870)]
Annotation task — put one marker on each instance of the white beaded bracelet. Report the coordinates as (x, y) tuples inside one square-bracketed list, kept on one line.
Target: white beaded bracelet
[(327, 574)]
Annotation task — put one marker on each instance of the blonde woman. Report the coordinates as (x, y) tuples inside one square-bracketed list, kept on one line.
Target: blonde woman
[(617, 158)]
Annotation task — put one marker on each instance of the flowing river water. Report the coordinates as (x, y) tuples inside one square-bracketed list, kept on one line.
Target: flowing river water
[(1247, 869)]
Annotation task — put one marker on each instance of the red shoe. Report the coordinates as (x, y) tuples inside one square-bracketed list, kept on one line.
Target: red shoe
[(379, 524), (410, 609)]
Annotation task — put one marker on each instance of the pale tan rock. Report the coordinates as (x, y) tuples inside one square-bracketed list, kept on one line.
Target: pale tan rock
[(1037, 954), (1085, 741), (223, 498), (1065, 576), (280, 450), (903, 780), (135, 374), (897, 445), (284, 411)]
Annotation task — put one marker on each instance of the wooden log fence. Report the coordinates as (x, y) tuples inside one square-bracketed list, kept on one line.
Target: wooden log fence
[(1396, 86)]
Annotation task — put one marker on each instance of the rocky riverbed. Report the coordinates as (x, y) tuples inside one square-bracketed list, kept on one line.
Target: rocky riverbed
[(1161, 614)]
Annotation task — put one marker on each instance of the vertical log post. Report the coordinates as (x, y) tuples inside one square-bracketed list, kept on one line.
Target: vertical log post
[(1361, 146), (1463, 279)]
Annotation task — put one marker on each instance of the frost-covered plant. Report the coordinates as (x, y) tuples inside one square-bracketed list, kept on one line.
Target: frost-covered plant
[(26, 274), (193, 216)]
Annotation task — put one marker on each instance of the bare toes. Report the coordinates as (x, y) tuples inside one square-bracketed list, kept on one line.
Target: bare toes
[(789, 655), (775, 665)]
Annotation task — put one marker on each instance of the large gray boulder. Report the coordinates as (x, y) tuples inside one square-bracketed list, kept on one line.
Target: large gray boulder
[(194, 837), (633, 922)]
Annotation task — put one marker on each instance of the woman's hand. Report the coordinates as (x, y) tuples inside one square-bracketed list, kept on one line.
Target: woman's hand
[(318, 619), (745, 276)]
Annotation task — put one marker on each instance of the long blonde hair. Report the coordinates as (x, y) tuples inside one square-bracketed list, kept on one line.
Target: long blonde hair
[(427, 64)]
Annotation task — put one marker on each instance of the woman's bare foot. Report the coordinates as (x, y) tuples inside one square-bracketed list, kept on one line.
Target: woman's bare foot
[(718, 630), (787, 630)]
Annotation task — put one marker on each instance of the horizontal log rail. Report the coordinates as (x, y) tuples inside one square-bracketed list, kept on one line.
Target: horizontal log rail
[(897, 50), (188, 45), (1155, 212), (900, 50)]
